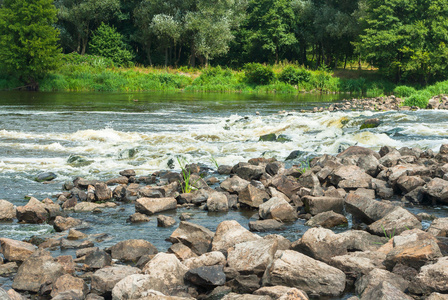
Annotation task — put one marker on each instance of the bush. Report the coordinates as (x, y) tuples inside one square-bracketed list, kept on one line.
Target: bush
[(256, 73), (294, 75), (419, 99), (75, 59), (404, 91)]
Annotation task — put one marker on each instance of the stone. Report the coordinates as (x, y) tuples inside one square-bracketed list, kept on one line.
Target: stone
[(358, 240), (207, 276), (138, 218), (207, 259), (224, 170), (282, 242), (67, 262), (357, 151), (230, 233), (278, 291), (46, 176), (382, 188), (316, 205), (181, 251), (196, 237), (165, 221), (279, 209), (118, 180), (394, 223), (13, 295), (150, 206), (33, 212), (265, 225), (437, 296), (97, 259), (234, 296), (8, 269), (105, 279), (250, 172), (37, 270), (252, 257), (7, 211), (217, 202), (285, 184), (132, 250), (311, 181), (244, 284), (355, 264), (439, 227), (327, 219), (150, 192), (69, 283), (14, 250), (408, 183), (437, 189), (366, 210), (71, 244), (128, 173), (234, 184), (350, 177), (85, 251), (61, 224), (385, 291), (375, 277), (294, 269), (102, 192), (432, 278), (252, 196), (74, 234)]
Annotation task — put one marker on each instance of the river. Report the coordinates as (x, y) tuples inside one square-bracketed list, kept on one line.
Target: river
[(110, 132)]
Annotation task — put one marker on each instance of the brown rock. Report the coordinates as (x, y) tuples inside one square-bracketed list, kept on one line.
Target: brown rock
[(138, 218), (165, 221), (150, 206), (350, 177), (33, 212), (7, 211), (181, 251), (279, 209), (14, 250), (327, 219), (252, 196), (132, 250), (62, 224), (69, 283), (102, 192), (234, 184), (366, 210), (104, 280), (316, 205), (196, 237), (74, 234), (432, 278), (230, 233), (395, 222), (439, 227), (252, 257)]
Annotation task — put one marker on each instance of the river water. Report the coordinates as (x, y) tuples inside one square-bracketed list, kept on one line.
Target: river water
[(114, 131)]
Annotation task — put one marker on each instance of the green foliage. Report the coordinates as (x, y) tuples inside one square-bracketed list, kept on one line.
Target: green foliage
[(404, 91), (294, 75), (256, 73), (187, 184), (107, 42), (419, 99), (28, 41)]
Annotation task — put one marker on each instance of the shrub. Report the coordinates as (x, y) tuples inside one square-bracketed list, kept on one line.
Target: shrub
[(294, 75), (404, 91), (256, 73), (419, 99)]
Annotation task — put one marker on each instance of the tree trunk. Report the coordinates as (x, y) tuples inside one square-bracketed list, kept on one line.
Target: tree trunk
[(178, 57), (345, 61), (166, 56)]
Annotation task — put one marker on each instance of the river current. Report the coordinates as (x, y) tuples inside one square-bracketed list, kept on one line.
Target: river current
[(95, 135)]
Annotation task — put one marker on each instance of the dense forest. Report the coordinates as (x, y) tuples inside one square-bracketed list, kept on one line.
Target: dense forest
[(405, 39)]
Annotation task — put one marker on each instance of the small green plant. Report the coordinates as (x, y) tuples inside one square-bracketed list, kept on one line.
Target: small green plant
[(215, 163), (187, 185), (304, 166), (388, 236)]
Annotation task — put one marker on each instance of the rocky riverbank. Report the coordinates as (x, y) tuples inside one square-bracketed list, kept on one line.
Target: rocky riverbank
[(384, 254)]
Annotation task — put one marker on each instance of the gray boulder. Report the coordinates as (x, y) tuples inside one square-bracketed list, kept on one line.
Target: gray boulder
[(7, 211), (150, 206), (230, 233), (394, 223), (252, 257), (327, 219), (316, 205), (196, 237), (132, 250), (105, 279), (432, 278), (208, 276), (279, 209)]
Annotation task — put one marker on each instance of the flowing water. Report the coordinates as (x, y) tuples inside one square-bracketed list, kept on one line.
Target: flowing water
[(95, 135)]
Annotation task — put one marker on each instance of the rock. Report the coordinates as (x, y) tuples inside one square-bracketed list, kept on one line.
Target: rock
[(234, 184), (85, 251), (134, 286), (355, 264), (385, 291), (74, 234), (86, 206), (150, 192), (327, 219), (13, 295), (38, 269), (181, 251), (357, 151), (230, 233), (118, 180), (265, 225), (244, 284), (395, 222), (366, 210), (62, 224), (102, 192), (7, 211), (166, 273), (165, 221), (277, 208), (69, 244), (33, 212), (206, 259), (132, 250), (130, 193), (350, 177), (375, 277), (67, 262), (104, 280), (209, 276), (150, 206), (437, 296), (408, 183), (96, 259), (276, 292), (437, 189), (432, 278), (234, 296), (291, 268), (382, 189), (282, 242), (316, 205), (439, 227), (196, 237), (69, 283), (250, 172), (285, 184), (46, 176), (310, 180), (224, 170), (252, 196), (358, 240), (139, 218), (128, 173), (14, 250), (270, 137), (370, 123), (217, 202), (252, 257)]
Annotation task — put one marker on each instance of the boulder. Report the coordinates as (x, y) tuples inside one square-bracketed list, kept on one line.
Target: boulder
[(45, 176), (282, 242), (437, 296), (61, 224), (439, 227), (250, 172), (316, 205), (7, 211), (217, 202), (33, 212), (196, 237), (67, 262), (14, 250), (294, 269), (243, 284), (252, 196), (279, 209), (118, 180), (408, 183), (355, 264), (285, 184), (181, 251), (102, 192), (366, 210), (150, 206), (139, 218), (132, 250), (105, 279), (327, 219), (6, 269), (311, 181), (395, 222), (357, 151), (38, 269), (71, 244), (74, 234), (282, 292), (359, 240), (207, 276), (127, 173), (165, 221), (234, 184), (265, 225), (234, 296), (252, 257), (385, 291), (350, 177), (375, 277), (150, 192), (437, 189), (69, 283), (207, 259), (96, 259), (382, 188), (230, 233), (432, 278)]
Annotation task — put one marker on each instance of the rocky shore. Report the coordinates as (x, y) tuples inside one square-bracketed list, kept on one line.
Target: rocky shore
[(385, 253)]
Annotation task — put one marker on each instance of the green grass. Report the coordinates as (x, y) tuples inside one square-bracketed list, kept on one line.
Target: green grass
[(421, 97)]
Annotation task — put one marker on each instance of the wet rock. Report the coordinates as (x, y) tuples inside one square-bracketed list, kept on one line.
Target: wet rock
[(197, 197), (357, 151), (271, 137), (8, 269), (130, 193), (316, 205), (355, 264), (230, 233), (439, 227), (67, 283), (207, 259), (85, 251), (118, 180), (104, 280), (277, 292), (437, 189), (375, 277), (252, 257), (46, 176), (265, 225), (74, 234), (244, 284), (97, 259), (138, 218), (224, 170), (327, 219), (62, 224), (310, 180), (350, 177), (291, 268), (196, 237), (165, 221), (395, 222), (150, 206), (68, 244), (7, 211), (132, 250), (252, 196), (217, 202), (370, 123), (14, 250), (33, 212), (38, 269), (89, 206), (102, 192), (181, 251), (409, 183), (150, 192), (432, 278), (128, 173), (285, 184), (382, 188), (279, 209), (385, 291), (274, 168), (250, 172), (234, 184), (209, 276), (366, 210)]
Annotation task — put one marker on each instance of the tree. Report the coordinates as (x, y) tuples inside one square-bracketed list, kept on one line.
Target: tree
[(28, 41)]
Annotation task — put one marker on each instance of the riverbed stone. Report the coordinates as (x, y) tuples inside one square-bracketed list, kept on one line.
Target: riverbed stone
[(234, 184), (207, 276), (252, 196), (61, 224), (375, 277), (102, 192), (250, 172), (265, 225), (252, 257), (366, 210), (150, 206), (33, 212), (279, 209), (316, 205), (282, 293), (394, 223), (14, 250), (138, 218), (432, 278), (294, 269), (132, 250), (104, 280), (357, 151), (439, 227), (288, 185), (181, 251), (355, 264), (67, 283), (217, 202), (385, 290), (350, 177), (235, 296), (437, 296), (74, 234), (408, 183), (7, 211), (327, 219), (207, 259), (437, 189), (96, 259), (165, 221), (7, 269), (382, 189), (230, 233), (196, 237)]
